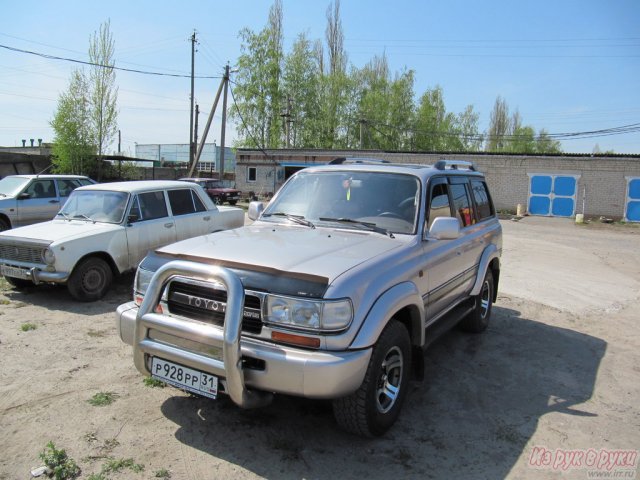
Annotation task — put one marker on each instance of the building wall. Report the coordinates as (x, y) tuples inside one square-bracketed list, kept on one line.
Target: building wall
[(601, 186)]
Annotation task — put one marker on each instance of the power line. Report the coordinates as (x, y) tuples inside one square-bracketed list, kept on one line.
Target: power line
[(83, 62)]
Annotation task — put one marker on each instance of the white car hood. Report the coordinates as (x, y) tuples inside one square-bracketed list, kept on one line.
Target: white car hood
[(56, 231), (320, 252)]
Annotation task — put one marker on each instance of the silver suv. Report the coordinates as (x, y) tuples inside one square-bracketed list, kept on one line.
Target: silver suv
[(334, 291)]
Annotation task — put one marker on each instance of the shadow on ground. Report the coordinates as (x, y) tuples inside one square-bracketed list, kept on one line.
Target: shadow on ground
[(471, 418), (57, 297)]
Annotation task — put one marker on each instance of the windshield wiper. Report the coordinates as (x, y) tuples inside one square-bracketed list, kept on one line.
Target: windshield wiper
[(66, 217), (82, 215), (369, 225), (299, 219)]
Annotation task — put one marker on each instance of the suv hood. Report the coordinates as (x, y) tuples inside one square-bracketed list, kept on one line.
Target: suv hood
[(56, 231), (286, 250)]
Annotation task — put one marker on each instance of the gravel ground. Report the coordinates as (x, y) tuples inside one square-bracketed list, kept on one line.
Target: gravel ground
[(559, 368)]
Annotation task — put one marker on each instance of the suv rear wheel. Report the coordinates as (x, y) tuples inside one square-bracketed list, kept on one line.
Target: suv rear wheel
[(374, 407), (478, 320)]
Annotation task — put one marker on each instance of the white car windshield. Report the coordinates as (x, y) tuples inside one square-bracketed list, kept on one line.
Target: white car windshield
[(95, 205), (349, 199)]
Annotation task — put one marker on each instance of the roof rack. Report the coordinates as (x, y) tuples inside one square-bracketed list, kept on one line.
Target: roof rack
[(354, 160), (454, 165)]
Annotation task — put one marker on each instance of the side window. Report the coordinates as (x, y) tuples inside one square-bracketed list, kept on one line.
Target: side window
[(198, 203), (181, 201), (65, 186), (439, 203), (152, 205), (41, 189), (252, 174), (84, 181), (462, 205), (484, 206)]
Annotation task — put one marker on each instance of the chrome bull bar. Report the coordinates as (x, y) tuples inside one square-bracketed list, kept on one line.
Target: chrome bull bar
[(231, 365)]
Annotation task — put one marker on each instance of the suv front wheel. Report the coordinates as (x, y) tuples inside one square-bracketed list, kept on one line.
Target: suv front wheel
[(374, 407)]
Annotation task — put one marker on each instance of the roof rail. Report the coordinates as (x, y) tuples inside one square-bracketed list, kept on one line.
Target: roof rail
[(454, 165), (352, 160)]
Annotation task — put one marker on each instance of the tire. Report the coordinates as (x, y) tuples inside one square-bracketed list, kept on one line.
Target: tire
[(217, 201), (90, 280), (232, 202), (19, 283), (373, 408), (478, 320), (5, 225)]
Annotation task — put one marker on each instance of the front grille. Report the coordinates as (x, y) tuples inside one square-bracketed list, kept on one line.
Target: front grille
[(208, 304), (21, 253)]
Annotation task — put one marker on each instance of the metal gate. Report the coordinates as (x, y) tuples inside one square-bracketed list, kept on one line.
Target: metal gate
[(552, 195), (632, 207)]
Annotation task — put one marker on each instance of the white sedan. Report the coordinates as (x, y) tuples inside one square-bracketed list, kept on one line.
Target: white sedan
[(107, 229)]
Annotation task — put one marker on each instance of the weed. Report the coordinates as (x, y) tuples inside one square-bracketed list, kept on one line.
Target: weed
[(25, 327), (97, 333), (162, 473), (115, 465), (153, 382), (4, 301), (62, 467), (102, 399)]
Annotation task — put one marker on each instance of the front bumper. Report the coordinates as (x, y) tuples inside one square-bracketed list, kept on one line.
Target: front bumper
[(224, 353), (36, 274)]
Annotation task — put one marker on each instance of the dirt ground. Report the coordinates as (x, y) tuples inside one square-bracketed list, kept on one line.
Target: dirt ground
[(559, 368)]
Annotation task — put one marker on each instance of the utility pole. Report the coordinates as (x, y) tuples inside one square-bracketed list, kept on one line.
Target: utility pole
[(286, 121), (224, 119), (362, 123), (195, 131), (191, 135)]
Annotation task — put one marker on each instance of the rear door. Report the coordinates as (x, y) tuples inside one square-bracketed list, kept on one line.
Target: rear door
[(150, 225), (189, 213)]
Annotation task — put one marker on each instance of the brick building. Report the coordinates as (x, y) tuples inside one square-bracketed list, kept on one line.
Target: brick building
[(552, 185)]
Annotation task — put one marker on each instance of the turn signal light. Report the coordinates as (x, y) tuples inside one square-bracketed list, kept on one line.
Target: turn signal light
[(298, 340)]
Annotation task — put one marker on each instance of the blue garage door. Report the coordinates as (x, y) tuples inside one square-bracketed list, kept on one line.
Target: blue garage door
[(553, 195), (632, 210)]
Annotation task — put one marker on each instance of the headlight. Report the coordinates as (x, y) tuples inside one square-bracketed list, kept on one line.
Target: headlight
[(319, 315), (48, 256), (141, 282)]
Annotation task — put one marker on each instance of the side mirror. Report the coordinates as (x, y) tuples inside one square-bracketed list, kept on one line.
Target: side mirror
[(23, 196), (444, 228), (132, 218), (255, 210)]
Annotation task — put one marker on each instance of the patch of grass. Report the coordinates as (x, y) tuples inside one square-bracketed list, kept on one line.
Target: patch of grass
[(97, 333), (118, 464), (162, 473), (25, 327), (5, 301), (153, 382), (102, 399), (62, 467)]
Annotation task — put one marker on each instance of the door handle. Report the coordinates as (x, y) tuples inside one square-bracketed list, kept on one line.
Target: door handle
[(54, 201), (206, 219), (168, 225)]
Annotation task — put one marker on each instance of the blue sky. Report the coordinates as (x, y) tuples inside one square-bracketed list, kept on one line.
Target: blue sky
[(567, 66)]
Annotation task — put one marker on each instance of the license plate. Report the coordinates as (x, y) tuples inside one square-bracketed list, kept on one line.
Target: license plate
[(15, 272), (185, 378)]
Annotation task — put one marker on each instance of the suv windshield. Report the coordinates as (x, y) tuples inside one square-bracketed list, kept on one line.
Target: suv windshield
[(11, 186), (95, 205), (350, 199)]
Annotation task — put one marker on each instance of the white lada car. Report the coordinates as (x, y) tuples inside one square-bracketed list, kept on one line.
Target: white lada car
[(106, 229)]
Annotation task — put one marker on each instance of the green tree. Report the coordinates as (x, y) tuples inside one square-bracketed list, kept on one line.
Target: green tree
[(545, 144), (499, 127), (73, 147), (104, 92), (467, 130), (435, 127), (257, 91)]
